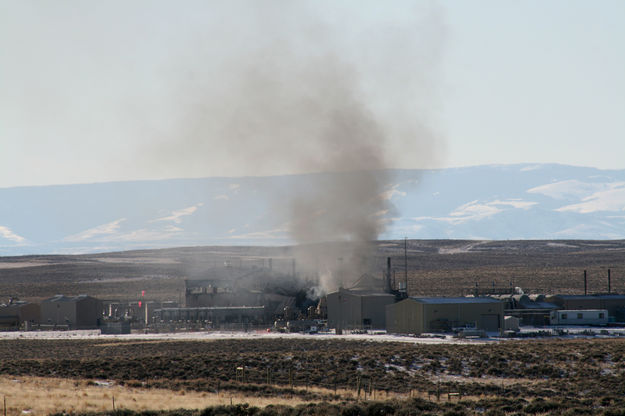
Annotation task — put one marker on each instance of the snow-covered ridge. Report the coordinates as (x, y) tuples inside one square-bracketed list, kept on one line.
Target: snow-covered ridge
[(536, 201)]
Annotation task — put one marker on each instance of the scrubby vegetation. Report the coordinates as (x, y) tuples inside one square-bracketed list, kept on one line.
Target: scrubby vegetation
[(528, 377), (489, 407)]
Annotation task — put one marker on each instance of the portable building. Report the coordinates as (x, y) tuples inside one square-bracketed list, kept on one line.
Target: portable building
[(418, 315), (579, 317), (358, 309)]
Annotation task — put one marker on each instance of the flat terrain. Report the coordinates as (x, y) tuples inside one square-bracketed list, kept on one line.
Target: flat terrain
[(583, 376), (435, 267)]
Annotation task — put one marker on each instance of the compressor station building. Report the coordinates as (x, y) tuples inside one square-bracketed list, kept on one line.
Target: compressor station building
[(363, 306), (13, 314), (418, 315), (358, 309), (77, 312)]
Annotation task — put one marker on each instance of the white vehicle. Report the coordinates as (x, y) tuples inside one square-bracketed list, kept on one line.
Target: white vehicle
[(579, 317)]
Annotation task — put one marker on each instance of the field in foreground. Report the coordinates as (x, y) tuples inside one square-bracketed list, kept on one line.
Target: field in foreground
[(584, 376)]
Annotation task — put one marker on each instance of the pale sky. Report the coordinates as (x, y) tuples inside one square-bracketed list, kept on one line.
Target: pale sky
[(118, 90)]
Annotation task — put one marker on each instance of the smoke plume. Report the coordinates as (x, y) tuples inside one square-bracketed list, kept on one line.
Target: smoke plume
[(290, 89)]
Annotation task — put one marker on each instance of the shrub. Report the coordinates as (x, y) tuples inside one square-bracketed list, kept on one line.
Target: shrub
[(541, 406)]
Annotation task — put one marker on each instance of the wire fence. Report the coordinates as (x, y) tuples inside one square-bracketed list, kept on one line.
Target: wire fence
[(360, 387)]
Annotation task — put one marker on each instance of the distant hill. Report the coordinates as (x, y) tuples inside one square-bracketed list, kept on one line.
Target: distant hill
[(537, 201)]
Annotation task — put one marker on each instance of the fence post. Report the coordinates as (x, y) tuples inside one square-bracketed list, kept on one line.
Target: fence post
[(364, 388)]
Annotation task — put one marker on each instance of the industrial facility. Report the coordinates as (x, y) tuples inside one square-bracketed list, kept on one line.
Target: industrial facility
[(613, 303), (529, 309), (16, 313), (420, 315), (245, 298), (232, 296), (363, 306), (78, 312)]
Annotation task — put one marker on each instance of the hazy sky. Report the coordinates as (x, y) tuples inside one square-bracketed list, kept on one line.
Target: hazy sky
[(118, 90)]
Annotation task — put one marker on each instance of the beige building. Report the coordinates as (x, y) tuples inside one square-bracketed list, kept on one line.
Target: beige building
[(422, 315), (358, 309)]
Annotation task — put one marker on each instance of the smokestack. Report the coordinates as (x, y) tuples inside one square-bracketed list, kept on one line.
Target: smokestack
[(585, 284), (293, 267), (609, 282), (270, 264), (389, 287), (406, 263)]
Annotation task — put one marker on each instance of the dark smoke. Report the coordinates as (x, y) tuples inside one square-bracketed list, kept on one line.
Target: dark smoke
[(292, 92)]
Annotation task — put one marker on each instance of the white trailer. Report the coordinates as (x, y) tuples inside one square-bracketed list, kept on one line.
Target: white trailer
[(579, 317)]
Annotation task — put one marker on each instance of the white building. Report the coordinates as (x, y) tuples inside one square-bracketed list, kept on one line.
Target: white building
[(579, 317)]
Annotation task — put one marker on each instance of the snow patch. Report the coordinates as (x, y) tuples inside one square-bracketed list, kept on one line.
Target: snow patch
[(572, 188), (476, 210), (109, 228), (611, 199), (176, 216)]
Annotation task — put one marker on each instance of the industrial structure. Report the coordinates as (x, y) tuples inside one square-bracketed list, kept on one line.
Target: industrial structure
[(530, 309), (237, 295), (613, 303), (362, 306), (215, 315), (418, 315), (17, 313), (78, 312), (358, 309)]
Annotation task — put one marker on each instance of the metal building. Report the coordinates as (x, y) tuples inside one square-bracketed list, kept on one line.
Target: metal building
[(615, 304), (420, 315), (358, 309), (17, 313), (78, 312)]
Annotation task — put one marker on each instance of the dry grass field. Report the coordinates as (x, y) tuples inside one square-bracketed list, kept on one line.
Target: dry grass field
[(582, 376), (43, 396)]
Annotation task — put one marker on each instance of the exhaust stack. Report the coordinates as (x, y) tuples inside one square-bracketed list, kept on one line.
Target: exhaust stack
[(388, 286)]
